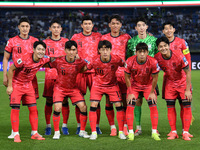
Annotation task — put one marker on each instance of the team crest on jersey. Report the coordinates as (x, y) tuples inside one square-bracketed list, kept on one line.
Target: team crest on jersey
[(93, 39), (19, 61), (149, 47), (147, 70), (185, 61), (121, 42), (45, 56)]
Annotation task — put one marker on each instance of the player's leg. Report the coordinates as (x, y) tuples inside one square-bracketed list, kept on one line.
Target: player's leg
[(125, 128), (35, 87), (137, 113), (56, 119), (48, 93), (110, 116), (65, 114)]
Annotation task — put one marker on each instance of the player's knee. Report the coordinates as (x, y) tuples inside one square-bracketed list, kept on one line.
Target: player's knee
[(15, 107), (93, 108), (94, 104), (83, 108), (57, 108), (118, 104), (56, 113), (119, 108), (186, 104)]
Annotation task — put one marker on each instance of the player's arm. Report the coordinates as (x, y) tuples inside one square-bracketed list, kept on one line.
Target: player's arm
[(5, 66), (188, 57), (10, 77), (130, 96), (188, 82), (152, 95)]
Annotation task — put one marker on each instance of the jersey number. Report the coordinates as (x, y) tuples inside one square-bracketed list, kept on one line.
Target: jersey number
[(27, 70), (100, 71), (50, 50), (63, 72), (19, 49)]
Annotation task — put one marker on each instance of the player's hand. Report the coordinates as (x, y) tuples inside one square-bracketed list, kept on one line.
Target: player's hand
[(77, 57), (9, 90), (5, 81), (153, 98), (130, 97), (188, 96)]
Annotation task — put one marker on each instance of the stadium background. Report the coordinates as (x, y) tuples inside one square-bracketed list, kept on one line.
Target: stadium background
[(187, 24)]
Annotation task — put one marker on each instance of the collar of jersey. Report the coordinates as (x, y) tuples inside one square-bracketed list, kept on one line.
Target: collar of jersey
[(172, 40), (141, 63), (69, 61), (34, 60), (115, 36), (169, 57), (22, 38), (55, 40), (106, 61), (87, 35)]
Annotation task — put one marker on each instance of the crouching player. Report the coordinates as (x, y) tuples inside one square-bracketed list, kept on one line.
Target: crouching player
[(20, 87), (68, 68), (141, 75), (105, 66), (177, 85)]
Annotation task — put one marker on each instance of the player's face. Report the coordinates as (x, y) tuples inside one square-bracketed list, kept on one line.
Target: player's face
[(141, 28), (142, 55), (163, 48), (105, 52), (87, 26), (24, 28), (115, 25), (71, 53), (55, 29), (168, 31), (39, 52)]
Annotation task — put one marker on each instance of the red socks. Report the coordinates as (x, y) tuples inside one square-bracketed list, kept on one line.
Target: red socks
[(48, 111), (98, 113), (120, 119), (154, 116), (110, 114), (93, 118), (187, 117), (56, 120), (83, 120), (33, 117), (172, 117), (14, 116), (130, 116), (65, 113), (77, 112)]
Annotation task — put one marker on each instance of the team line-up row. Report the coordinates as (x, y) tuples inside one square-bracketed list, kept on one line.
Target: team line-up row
[(99, 65)]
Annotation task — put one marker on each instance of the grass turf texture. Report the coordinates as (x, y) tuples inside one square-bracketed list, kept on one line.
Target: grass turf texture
[(104, 141)]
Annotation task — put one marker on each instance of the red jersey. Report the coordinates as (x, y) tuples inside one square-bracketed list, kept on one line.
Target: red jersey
[(119, 44), (87, 45), (141, 74), (27, 68), (20, 47), (105, 71), (67, 72), (182, 46), (55, 48), (173, 68)]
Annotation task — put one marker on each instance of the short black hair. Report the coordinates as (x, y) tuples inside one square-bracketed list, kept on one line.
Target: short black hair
[(86, 18), (24, 19), (167, 23), (117, 17), (141, 19), (162, 39), (69, 44), (36, 43), (141, 46), (55, 20), (106, 43)]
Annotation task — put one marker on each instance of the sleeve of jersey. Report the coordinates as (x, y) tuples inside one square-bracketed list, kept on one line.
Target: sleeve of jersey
[(186, 52), (184, 62), (9, 46), (53, 64), (156, 67), (18, 63), (127, 67)]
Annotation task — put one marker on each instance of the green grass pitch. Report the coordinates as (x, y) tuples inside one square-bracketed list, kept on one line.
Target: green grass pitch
[(104, 141)]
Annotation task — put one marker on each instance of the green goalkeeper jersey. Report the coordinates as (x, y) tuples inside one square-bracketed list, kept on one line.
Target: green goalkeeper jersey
[(149, 40)]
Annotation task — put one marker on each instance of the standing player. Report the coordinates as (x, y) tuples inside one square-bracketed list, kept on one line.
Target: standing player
[(177, 85), (20, 88), (176, 44), (141, 27), (105, 66), (119, 42), (68, 68), (87, 48), (141, 75), (55, 48), (19, 46)]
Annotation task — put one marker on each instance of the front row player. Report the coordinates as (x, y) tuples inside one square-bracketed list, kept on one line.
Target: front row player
[(105, 82), (177, 85), (68, 68), (20, 87), (141, 75)]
